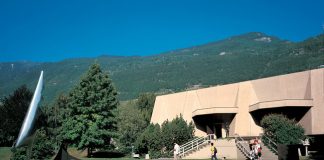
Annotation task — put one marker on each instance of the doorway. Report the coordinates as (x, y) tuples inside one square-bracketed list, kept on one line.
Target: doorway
[(218, 130)]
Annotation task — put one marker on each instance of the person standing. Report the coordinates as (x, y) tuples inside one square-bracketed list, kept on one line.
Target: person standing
[(257, 150), (176, 151), (213, 151)]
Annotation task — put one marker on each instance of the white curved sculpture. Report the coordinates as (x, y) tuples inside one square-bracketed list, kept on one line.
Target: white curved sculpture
[(26, 131)]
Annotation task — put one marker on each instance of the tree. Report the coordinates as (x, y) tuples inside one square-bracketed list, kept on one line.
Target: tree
[(145, 103), (131, 123), (158, 140), (133, 117), (54, 116), (168, 137), (12, 114), (150, 141), (176, 131), (90, 121), (48, 127), (42, 148), (46, 136), (282, 130)]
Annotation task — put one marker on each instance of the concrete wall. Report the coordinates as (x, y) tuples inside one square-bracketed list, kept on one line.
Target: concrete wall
[(317, 94), (302, 89)]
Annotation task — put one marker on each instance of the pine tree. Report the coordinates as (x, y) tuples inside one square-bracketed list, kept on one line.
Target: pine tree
[(12, 112), (54, 115), (90, 121), (145, 103), (131, 124)]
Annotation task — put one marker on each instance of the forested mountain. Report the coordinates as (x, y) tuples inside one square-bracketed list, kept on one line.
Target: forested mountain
[(239, 58)]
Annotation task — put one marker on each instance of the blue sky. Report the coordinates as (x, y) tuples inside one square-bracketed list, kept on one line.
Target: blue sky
[(44, 30)]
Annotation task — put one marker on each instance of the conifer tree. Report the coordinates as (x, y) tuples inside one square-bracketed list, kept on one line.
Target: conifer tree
[(90, 121), (145, 103), (12, 112)]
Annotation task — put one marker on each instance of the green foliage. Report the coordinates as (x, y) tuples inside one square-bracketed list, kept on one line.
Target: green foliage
[(43, 147), (12, 112), (131, 123), (234, 59), (19, 153), (133, 117), (149, 140), (282, 130), (55, 114), (158, 141), (90, 120), (47, 139), (176, 131), (145, 103)]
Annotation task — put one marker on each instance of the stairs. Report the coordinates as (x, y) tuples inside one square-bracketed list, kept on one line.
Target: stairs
[(267, 154), (226, 148), (238, 148), (195, 145), (244, 149), (202, 153)]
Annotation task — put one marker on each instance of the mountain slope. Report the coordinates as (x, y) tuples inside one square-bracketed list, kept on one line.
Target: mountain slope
[(244, 57)]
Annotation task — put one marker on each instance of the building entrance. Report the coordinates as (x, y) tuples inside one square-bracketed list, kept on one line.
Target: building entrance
[(218, 124), (218, 130)]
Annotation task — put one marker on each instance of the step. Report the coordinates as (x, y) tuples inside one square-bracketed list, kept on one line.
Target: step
[(226, 148), (267, 154)]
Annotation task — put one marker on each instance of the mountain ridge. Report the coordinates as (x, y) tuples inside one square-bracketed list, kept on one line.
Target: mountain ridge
[(238, 58), (174, 50)]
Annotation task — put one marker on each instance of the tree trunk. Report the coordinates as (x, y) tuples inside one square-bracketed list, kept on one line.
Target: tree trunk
[(89, 154)]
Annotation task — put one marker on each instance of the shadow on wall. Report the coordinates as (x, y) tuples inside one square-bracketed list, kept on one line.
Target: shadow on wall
[(316, 148), (296, 113), (209, 122)]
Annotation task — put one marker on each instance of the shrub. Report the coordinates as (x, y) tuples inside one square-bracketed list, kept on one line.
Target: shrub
[(282, 130), (158, 141)]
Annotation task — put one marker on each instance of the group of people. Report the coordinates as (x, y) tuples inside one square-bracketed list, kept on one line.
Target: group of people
[(255, 150)]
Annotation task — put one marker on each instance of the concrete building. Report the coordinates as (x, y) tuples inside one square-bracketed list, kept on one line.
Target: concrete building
[(238, 108)]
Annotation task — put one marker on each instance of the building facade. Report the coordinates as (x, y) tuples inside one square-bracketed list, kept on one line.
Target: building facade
[(239, 107)]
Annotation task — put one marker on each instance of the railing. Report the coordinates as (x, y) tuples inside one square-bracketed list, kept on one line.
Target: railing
[(271, 144), (195, 144), (240, 144)]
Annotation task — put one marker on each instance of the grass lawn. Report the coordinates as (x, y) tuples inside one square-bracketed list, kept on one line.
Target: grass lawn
[(5, 152), (107, 158), (118, 159), (76, 153)]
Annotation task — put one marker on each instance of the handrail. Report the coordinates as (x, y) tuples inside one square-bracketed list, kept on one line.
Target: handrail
[(238, 141), (209, 137), (195, 144), (192, 141), (271, 143)]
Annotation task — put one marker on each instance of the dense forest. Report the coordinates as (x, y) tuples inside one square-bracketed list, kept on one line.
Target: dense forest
[(239, 58)]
